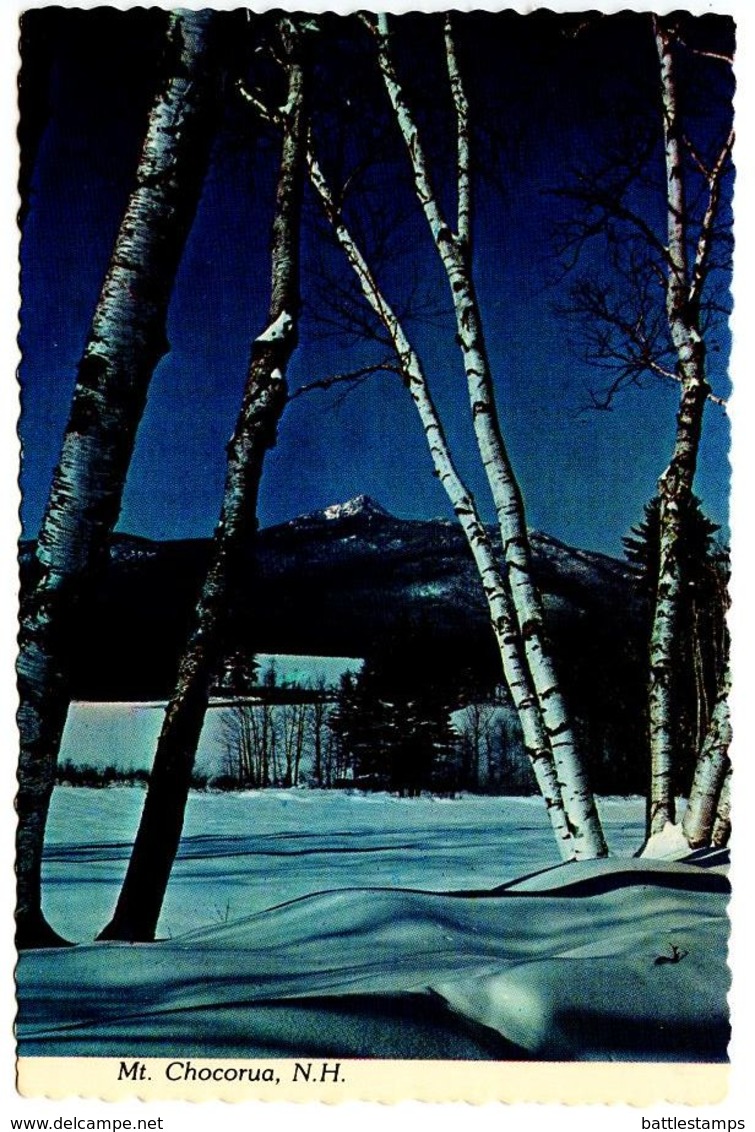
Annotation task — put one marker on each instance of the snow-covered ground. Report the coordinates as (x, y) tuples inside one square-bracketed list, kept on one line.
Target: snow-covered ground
[(244, 852), (321, 923)]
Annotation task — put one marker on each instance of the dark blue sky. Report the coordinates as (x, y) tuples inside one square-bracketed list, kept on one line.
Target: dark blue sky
[(585, 475)]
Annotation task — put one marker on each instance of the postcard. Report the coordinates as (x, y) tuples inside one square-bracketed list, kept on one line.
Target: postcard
[(374, 665)]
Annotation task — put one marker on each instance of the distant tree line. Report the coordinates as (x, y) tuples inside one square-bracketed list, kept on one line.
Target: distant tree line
[(271, 739)]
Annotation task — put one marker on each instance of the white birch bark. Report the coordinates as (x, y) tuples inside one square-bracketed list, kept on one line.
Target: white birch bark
[(463, 147), (722, 824), (683, 289), (578, 800), (494, 583), (710, 772), (265, 397), (126, 340)]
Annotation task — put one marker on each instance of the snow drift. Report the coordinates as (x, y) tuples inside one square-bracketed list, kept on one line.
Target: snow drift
[(621, 959)]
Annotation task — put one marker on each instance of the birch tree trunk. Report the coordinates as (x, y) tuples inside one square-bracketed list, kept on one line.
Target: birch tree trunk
[(265, 395), (722, 824), (126, 340), (710, 772), (453, 250), (494, 583), (683, 288)]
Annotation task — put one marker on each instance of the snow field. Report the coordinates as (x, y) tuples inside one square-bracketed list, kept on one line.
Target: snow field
[(321, 923), (244, 852)]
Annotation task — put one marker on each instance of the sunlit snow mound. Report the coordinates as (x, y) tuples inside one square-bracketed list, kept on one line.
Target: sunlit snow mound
[(617, 959)]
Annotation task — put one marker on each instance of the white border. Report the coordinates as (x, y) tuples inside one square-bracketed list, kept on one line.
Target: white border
[(447, 1117)]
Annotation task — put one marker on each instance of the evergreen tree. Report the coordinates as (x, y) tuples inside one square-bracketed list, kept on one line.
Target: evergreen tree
[(392, 721)]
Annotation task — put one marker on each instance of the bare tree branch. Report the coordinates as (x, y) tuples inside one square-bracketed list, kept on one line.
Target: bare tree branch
[(623, 330), (624, 324), (603, 204), (267, 115), (353, 378), (705, 237), (704, 54)]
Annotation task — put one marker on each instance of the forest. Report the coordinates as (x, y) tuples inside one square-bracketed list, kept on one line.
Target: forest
[(429, 269)]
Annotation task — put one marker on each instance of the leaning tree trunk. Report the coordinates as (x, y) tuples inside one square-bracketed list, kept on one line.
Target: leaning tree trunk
[(495, 586), (265, 395), (454, 252), (710, 773), (675, 485), (126, 340)]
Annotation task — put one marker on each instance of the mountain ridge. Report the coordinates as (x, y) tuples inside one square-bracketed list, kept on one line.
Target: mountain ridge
[(333, 582), (352, 579)]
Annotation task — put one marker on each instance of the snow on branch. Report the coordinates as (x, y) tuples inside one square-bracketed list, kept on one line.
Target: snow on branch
[(279, 329)]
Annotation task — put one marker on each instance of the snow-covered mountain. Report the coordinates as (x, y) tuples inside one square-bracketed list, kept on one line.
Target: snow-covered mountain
[(333, 583), (362, 506)]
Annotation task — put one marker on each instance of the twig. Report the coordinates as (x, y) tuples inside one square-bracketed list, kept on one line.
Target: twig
[(264, 112), (705, 239), (719, 55), (354, 377)]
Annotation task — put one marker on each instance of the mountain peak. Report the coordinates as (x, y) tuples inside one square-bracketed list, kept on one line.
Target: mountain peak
[(359, 505)]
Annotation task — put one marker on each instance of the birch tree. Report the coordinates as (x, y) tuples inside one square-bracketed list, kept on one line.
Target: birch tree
[(126, 340), (658, 307), (495, 584), (701, 639), (722, 823), (242, 763), (265, 396), (317, 725), (710, 773), (686, 274), (454, 250)]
